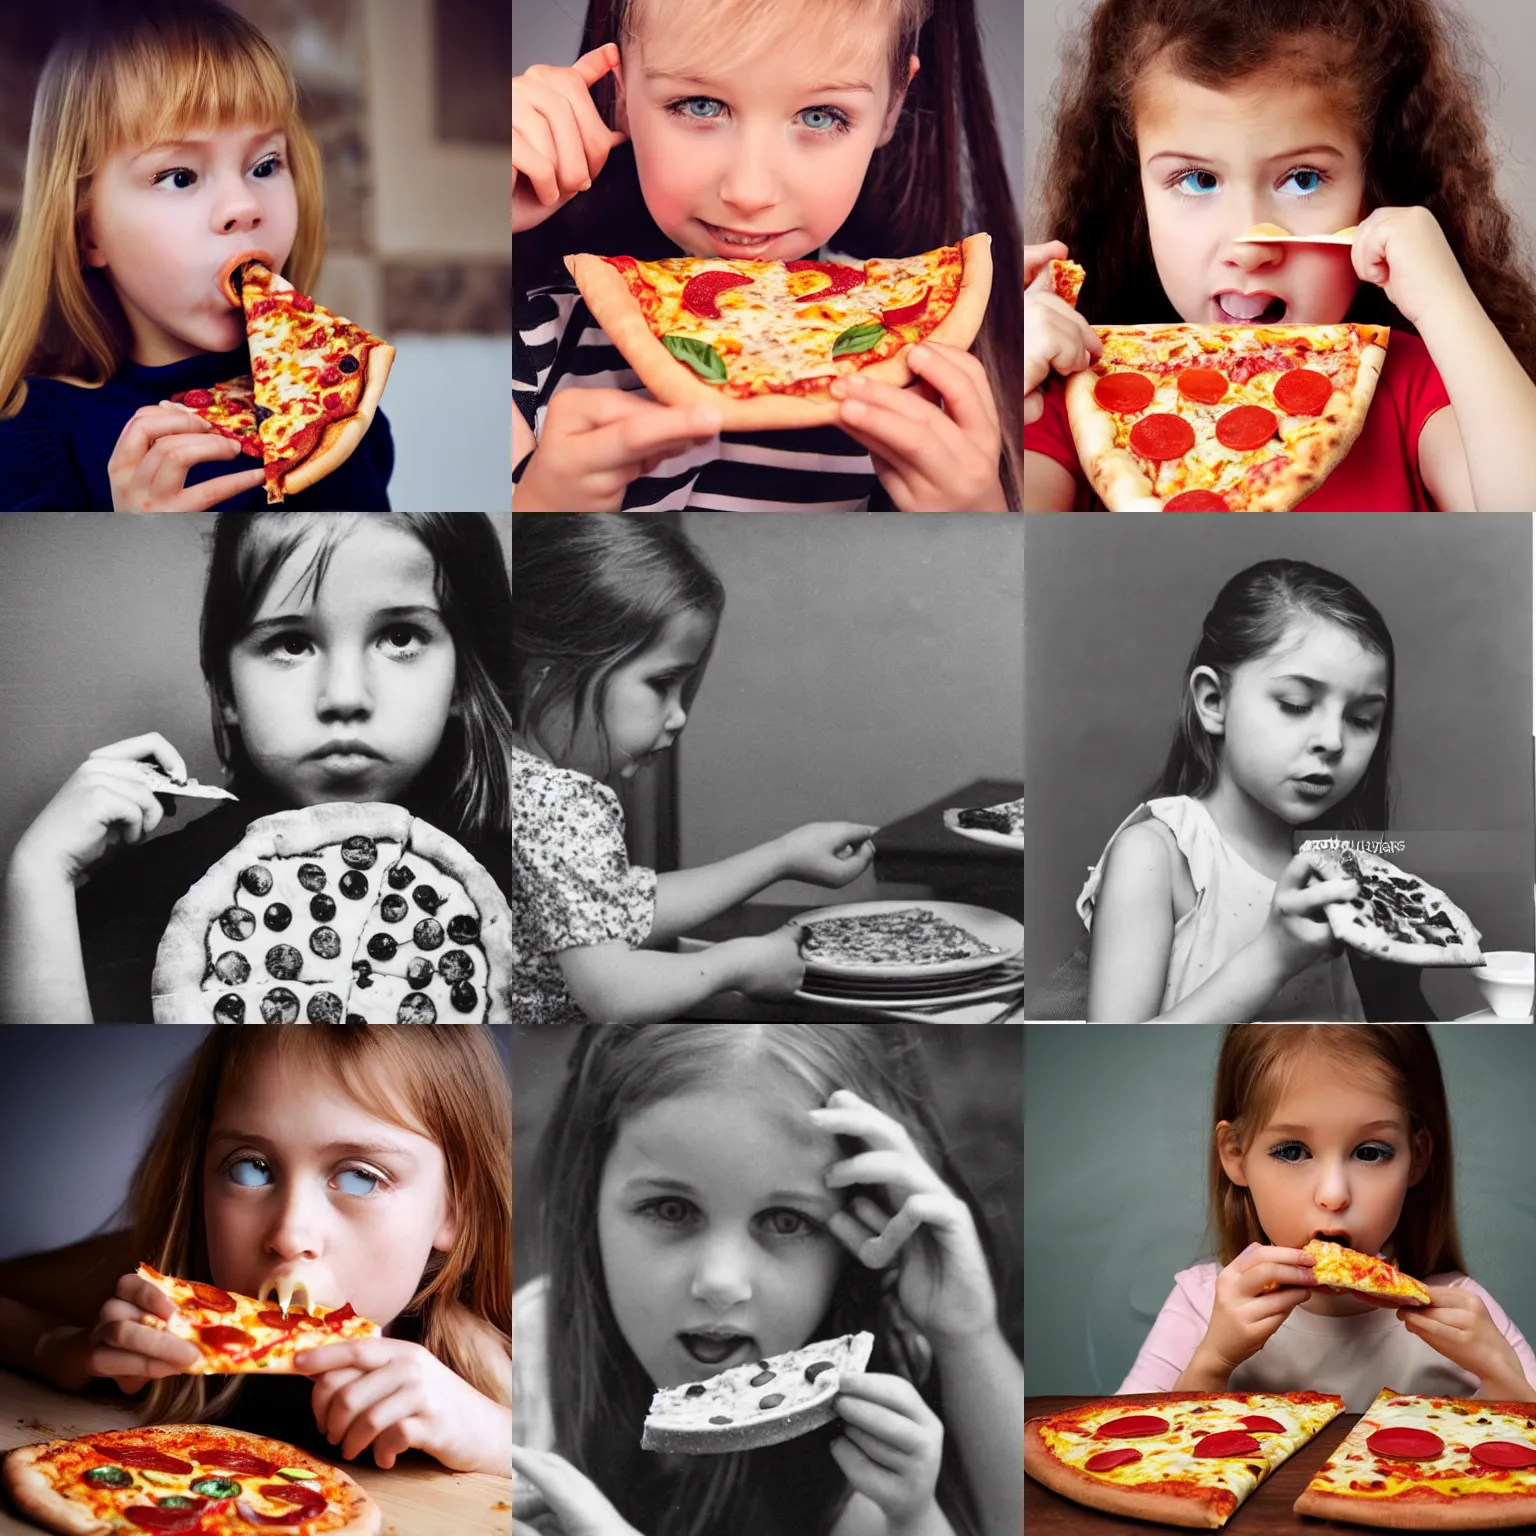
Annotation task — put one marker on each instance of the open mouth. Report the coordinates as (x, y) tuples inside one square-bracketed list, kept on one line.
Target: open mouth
[(288, 1291), (740, 240), (717, 1350), (1236, 308), (230, 279)]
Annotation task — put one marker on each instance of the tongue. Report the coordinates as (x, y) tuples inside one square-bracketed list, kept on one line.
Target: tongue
[(711, 1351), (1244, 307)]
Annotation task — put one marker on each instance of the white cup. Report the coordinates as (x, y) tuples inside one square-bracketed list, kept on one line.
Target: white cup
[(1507, 980)]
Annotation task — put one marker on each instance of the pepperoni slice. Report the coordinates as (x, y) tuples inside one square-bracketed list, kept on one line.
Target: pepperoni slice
[(1246, 427), (220, 1337), (211, 1297), (1260, 1423), (1197, 501), (1505, 1453), (1303, 392), (699, 293), (150, 1517), (235, 1461), (1162, 437), (1107, 1460), (1124, 393), (1132, 1427), (907, 314), (1227, 1442), (340, 1315), (142, 1457), (1205, 386), (311, 1503), (1406, 1444), (275, 1319)]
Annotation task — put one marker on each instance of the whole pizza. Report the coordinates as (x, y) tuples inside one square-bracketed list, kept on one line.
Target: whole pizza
[(1431, 1464), (1179, 1458), (762, 341), (185, 1478), (1397, 916), (342, 913)]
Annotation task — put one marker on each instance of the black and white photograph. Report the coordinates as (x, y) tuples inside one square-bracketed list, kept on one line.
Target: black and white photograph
[(1280, 769), (767, 768)]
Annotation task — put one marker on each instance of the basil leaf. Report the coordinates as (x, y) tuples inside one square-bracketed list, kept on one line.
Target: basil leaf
[(699, 356), (859, 338)]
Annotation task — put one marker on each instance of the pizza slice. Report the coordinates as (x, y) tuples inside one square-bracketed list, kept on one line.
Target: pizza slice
[(239, 1335), (906, 936), (1178, 1458), (1396, 916), (1006, 819), (1416, 1463), (163, 784), (229, 408), (1066, 280), (763, 1402), (1350, 1271), (762, 341)]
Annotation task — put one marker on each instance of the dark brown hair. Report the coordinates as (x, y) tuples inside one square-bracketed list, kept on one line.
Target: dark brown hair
[(941, 177), (1405, 72)]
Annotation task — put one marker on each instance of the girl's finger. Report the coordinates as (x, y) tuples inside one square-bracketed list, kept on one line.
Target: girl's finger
[(904, 1171), (133, 748), (846, 1114), (895, 1432), (852, 1234), (560, 112), (941, 1213), (356, 1397), (959, 377), (536, 163), (367, 1426), (199, 498), (879, 1451), (327, 1386)]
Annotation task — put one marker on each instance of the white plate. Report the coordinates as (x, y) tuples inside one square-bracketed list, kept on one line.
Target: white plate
[(878, 986), (885, 1004), (982, 835), (980, 922), (1488, 1016)]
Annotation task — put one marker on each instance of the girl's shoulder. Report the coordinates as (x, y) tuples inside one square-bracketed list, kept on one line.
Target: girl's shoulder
[(38, 470), (538, 786)]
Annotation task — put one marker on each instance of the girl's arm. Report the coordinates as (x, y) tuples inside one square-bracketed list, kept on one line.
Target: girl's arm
[(42, 969), (984, 1418)]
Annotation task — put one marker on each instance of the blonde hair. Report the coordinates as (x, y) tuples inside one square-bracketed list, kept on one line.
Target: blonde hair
[(130, 77), (444, 1082)]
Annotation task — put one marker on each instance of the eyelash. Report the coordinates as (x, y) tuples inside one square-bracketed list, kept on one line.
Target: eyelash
[(270, 645), (380, 1181), (1380, 1146), (841, 124), (1303, 709), (273, 160), (651, 1209), (1200, 170)]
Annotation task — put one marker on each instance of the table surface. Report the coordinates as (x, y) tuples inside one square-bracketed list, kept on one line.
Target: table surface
[(418, 1498), (1265, 1512)]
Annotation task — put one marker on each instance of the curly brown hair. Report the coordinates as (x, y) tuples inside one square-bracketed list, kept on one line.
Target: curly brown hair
[(1406, 73)]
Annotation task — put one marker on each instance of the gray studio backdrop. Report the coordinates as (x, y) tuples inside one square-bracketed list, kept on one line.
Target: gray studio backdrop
[(1116, 1128), (1115, 606), (77, 1105)]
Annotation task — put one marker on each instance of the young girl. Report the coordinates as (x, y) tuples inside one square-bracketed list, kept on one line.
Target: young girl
[(613, 626), (1340, 1133), (1198, 908), (723, 122), (756, 1189), (1184, 123), (166, 143), (374, 1163), (382, 635)]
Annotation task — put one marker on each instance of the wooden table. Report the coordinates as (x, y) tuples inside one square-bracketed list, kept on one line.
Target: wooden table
[(1266, 1511), (920, 850), (418, 1497)]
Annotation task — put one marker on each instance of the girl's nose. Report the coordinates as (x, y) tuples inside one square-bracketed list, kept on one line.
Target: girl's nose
[(722, 1275), (749, 183), (296, 1223), (345, 689), (677, 719), (237, 207)]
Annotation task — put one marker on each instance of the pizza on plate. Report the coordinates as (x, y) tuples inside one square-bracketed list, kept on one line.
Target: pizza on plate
[(907, 936), (1431, 1464), (1350, 1271), (185, 1478), (1006, 818), (1396, 916), (340, 913), (1179, 1458), (1219, 418), (763, 1402), (762, 341), (238, 1335), (315, 382)]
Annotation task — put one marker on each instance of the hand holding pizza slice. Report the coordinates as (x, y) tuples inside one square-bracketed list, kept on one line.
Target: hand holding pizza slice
[(1397, 916)]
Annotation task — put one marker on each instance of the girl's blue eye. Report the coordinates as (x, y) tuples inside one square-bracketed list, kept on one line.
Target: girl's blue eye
[(1178, 180), (250, 1173), (371, 1181), (838, 120), (1385, 1151)]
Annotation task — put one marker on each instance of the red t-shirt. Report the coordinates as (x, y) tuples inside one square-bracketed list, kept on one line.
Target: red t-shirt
[(1380, 473)]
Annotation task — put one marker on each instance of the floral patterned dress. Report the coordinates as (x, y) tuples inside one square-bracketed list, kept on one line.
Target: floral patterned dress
[(572, 885)]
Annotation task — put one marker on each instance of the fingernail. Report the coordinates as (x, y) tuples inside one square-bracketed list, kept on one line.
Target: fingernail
[(837, 389), (586, 186)]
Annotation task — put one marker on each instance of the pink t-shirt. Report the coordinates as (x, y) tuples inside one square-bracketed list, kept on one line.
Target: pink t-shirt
[(1380, 473), (1353, 1356)]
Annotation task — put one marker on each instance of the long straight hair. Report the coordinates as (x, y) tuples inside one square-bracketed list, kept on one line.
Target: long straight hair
[(442, 1081), (467, 776), (599, 1390), (941, 177), (1248, 620), (1256, 1063), (128, 74)]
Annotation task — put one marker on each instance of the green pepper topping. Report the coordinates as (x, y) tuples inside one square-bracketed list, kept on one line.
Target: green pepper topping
[(109, 1477), (177, 1501), (215, 1487)]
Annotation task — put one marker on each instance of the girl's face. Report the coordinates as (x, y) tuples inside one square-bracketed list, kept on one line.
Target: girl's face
[(343, 694), (298, 1178), (1298, 725), (711, 1221), (1215, 163), (166, 222), (774, 147), (1336, 1159)]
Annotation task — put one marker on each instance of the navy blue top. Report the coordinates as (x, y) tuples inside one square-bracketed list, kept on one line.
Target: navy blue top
[(54, 451)]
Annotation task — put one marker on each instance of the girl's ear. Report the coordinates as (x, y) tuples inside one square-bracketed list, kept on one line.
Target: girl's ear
[(443, 1238), (1205, 688), (889, 126), (1231, 1157), (90, 252), (1423, 1149)]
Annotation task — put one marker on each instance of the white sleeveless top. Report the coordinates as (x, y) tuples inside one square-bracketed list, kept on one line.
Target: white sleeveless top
[(1232, 901)]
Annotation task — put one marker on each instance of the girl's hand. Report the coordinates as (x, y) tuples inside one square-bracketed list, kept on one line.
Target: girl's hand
[(148, 468), (830, 853), (935, 445), (944, 1284), (771, 965), (130, 1350), (104, 802), (890, 1447), (576, 1500), (1255, 1293), (559, 142), (1055, 335), (1404, 251), (1456, 1324), (596, 441), (1296, 928), (394, 1395)]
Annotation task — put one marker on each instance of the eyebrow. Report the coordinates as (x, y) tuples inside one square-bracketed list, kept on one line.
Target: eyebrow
[(1289, 154), (813, 90), (343, 1148), (175, 144), (1304, 1130), (403, 611), (1312, 682), (683, 1187)]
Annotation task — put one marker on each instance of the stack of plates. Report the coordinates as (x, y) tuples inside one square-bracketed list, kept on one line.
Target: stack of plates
[(997, 981)]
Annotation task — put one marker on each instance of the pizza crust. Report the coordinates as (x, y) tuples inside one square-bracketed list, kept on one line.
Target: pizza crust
[(339, 440), (1356, 928), (618, 313), (1464, 1514), (34, 1495)]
